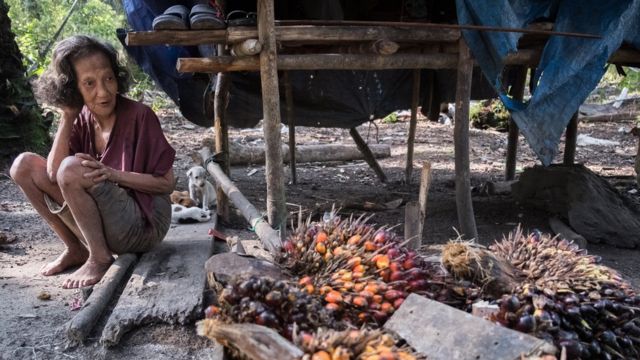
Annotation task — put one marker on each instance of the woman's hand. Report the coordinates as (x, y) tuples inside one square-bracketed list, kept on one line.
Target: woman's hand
[(99, 172)]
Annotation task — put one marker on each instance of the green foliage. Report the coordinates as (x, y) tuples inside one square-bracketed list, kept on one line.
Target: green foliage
[(391, 118), (489, 114)]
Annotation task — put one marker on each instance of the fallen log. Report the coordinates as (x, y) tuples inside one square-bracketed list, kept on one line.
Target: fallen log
[(254, 341), (243, 155), (440, 331), (83, 322), (269, 237)]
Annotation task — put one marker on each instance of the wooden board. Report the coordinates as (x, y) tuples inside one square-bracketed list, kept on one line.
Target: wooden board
[(167, 284), (443, 332)]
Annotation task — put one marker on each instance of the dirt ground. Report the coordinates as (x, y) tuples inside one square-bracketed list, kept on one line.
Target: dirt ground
[(28, 325)]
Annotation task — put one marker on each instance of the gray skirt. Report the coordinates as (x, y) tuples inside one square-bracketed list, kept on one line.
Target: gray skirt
[(123, 222)]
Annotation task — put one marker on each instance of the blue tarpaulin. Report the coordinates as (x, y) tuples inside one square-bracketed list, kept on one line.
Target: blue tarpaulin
[(570, 67)]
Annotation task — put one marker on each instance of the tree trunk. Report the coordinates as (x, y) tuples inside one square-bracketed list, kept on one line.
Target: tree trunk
[(22, 126)]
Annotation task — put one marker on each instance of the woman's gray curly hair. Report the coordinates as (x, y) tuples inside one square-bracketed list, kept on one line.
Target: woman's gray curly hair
[(58, 86)]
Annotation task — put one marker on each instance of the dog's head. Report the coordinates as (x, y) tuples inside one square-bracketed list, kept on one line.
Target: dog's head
[(197, 176)]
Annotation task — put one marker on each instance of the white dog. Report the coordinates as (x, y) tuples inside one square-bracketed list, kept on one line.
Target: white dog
[(185, 215), (200, 189)]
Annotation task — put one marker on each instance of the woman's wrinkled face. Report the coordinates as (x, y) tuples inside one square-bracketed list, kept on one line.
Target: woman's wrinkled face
[(97, 84)]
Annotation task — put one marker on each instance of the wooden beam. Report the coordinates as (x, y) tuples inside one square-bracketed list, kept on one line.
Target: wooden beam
[(464, 203), (368, 155), (321, 62), (288, 94), (517, 91), (412, 232), (276, 206), (411, 137), (571, 136)]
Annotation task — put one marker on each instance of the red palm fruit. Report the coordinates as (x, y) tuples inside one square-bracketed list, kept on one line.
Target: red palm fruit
[(370, 246), (379, 315), (362, 316), (366, 294), (360, 301), (415, 273), (396, 275), (380, 237), (397, 302), (374, 306), (321, 237), (333, 297), (354, 240), (409, 263), (332, 306), (211, 311), (387, 307), (395, 266), (305, 280), (306, 338), (391, 295), (377, 299), (382, 262), (338, 251), (418, 284), (393, 252), (385, 274), (288, 246)]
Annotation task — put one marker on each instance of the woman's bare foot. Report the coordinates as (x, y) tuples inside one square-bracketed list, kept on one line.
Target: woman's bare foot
[(67, 259), (88, 274)]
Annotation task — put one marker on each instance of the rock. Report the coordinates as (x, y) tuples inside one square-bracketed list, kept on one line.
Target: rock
[(227, 265)]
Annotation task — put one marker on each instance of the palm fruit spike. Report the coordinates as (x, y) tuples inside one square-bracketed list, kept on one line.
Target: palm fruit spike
[(352, 344)]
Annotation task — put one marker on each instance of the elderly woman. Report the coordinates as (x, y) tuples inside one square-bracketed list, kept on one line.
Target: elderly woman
[(104, 188)]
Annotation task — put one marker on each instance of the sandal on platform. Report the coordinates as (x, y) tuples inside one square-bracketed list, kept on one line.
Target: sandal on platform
[(242, 18), (205, 17), (174, 18)]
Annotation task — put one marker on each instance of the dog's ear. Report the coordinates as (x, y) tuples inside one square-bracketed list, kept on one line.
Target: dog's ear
[(190, 172)]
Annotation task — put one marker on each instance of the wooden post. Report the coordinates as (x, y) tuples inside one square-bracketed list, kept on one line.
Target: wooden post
[(368, 155), (288, 93), (425, 181), (415, 98), (517, 91), (222, 136), (412, 228), (464, 204), (571, 135), (276, 206)]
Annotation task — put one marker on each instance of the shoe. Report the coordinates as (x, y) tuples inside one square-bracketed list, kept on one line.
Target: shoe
[(242, 18), (174, 18), (205, 17)]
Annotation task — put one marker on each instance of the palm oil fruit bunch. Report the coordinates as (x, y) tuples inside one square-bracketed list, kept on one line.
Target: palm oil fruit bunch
[(364, 344), (275, 304), (555, 264), (588, 326), (361, 273)]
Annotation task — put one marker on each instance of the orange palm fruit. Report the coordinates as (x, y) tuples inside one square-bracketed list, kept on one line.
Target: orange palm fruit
[(360, 301), (354, 240), (387, 307), (333, 297), (377, 298), (309, 288), (370, 246), (366, 294), (321, 248), (305, 280), (382, 262), (358, 286), (354, 262), (321, 237), (332, 306), (321, 355)]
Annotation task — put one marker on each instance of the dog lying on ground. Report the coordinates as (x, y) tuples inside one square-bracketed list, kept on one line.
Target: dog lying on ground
[(182, 198), (185, 215), (200, 189)]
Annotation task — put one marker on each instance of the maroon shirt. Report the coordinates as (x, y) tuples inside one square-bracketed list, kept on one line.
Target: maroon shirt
[(136, 144)]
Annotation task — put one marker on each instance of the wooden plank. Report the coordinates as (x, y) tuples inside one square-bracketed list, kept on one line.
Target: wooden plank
[(79, 327), (368, 155), (321, 62), (166, 285), (177, 37), (411, 137), (276, 203), (443, 332), (571, 136), (423, 193), (464, 204), (247, 154), (517, 91)]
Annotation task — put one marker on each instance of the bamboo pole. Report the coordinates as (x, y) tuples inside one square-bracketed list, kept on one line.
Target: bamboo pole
[(415, 98), (321, 62), (368, 155), (571, 136), (221, 131), (276, 206), (517, 91), (464, 203), (423, 193), (288, 93)]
